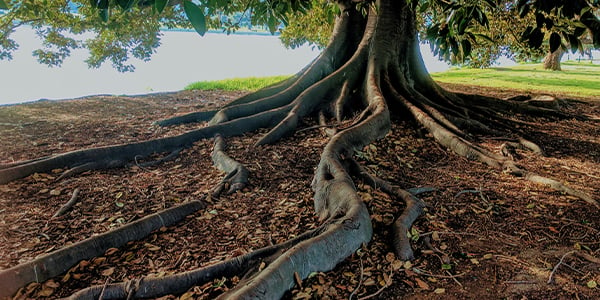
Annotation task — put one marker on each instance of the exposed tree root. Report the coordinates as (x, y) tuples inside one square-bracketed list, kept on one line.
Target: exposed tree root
[(151, 287), (63, 209), (194, 117), (237, 174), (414, 208), (57, 262), (372, 62), (173, 155)]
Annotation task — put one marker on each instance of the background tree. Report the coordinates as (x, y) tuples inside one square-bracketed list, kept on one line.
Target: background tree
[(370, 74)]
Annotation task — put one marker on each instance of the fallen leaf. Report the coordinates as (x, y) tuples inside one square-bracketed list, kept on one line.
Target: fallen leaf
[(108, 272), (422, 284), (397, 264), (592, 284), (186, 296), (55, 192), (46, 292), (52, 284), (111, 251), (439, 291)]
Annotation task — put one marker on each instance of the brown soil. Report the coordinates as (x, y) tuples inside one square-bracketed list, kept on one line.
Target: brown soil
[(485, 234)]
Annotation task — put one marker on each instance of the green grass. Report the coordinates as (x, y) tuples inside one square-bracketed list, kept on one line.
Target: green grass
[(236, 84), (576, 79)]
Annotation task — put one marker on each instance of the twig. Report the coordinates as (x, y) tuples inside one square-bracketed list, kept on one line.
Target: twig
[(588, 257), (558, 265), (104, 289), (379, 290), (467, 191), (520, 282), (454, 278), (421, 272), (359, 281), (450, 233), (67, 205), (317, 126)]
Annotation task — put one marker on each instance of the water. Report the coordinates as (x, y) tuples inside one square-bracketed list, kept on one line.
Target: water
[(183, 57)]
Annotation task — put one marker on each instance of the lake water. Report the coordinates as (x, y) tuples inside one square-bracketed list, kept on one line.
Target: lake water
[(183, 57)]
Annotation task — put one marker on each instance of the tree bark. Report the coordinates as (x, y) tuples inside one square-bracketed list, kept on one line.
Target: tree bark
[(372, 70), (552, 60)]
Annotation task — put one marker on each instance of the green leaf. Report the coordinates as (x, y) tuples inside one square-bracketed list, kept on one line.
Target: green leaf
[(104, 14), (592, 284), (539, 20), (536, 38), (103, 4), (573, 42), (160, 5), (466, 47), (196, 16), (446, 266), (3, 5), (272, 24), (125, 4), (414, 234), (554, 42)]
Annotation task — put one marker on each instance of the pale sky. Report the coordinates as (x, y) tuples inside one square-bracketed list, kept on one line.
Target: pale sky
[(183, 57)]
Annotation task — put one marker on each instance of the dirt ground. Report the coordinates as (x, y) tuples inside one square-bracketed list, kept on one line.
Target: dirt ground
[(485, 234)]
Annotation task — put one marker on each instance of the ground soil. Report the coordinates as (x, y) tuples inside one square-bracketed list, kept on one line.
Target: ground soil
[(485, 234)]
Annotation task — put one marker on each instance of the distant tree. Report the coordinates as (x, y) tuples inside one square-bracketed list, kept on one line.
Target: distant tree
[(370, 73)]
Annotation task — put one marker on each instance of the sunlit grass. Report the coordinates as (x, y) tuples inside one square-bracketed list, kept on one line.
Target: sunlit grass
[(236, 84), (577, 79)]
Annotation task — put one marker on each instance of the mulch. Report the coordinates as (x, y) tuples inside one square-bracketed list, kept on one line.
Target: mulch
[(484, 234)]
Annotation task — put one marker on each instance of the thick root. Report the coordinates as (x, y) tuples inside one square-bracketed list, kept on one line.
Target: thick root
[(58, 262), (120, 155), (237, 174), (414, 208), (153, 287)]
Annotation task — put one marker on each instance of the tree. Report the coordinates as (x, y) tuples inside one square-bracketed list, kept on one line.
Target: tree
[(370, 73)]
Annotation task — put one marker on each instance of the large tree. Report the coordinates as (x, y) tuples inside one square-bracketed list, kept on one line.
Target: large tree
[(370, 73)]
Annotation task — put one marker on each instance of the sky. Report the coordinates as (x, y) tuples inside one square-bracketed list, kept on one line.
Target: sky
[(183, 57)]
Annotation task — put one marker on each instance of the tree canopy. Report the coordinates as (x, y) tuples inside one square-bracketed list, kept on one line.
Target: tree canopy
[(459, 31), (367, 80)]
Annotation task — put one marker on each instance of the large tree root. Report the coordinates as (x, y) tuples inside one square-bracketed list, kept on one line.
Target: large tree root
[(149, 287), (237, 174), (372, 62), (57, 262), (414, 208)]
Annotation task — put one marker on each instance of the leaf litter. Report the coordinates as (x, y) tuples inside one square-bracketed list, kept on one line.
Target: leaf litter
[(502, 240)]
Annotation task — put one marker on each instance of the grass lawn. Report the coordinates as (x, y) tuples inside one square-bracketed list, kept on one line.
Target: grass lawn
[(236, 84), (577, 79)]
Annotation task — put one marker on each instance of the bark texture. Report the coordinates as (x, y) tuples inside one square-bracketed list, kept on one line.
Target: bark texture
[(372, 70), (552, 60)]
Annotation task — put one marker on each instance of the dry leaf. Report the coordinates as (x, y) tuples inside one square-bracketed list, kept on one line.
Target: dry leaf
[(422, 284), (111, 251), (46, 292), (51, 284), (108, 272), (439, 291)]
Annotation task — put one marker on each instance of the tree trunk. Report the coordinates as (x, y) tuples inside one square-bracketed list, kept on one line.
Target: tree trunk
[(552, 60), (371, 70)]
